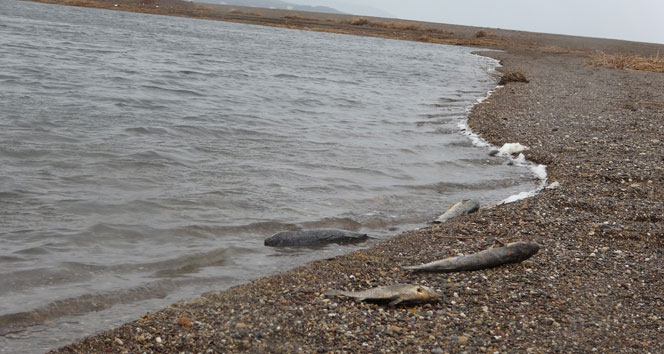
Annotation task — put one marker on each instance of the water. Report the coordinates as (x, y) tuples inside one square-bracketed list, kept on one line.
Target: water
[(145, 158)]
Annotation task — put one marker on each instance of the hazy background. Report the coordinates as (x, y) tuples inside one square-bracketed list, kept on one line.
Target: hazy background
[(635, 20)]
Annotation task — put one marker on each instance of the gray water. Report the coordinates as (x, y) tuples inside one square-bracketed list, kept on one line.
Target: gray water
[(145, 158)]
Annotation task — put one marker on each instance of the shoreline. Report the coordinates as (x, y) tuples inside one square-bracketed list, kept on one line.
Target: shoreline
[(470, 36), (538, 170), (595, 285)]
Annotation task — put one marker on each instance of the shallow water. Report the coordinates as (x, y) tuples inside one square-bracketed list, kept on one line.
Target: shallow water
[(145, 158)]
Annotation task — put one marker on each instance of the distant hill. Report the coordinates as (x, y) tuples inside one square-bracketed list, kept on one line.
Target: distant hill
[(353, 8), (274, 4)]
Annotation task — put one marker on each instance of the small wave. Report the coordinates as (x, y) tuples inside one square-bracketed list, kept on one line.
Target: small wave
[(39, 278), (308, 102), (258, 228), (9, 77), (173, 91), (450, 100), (286, 76), (151, 157), (138, 103), (444, 131), (147, 131), (194, 72), (336, 223), (448, 115), (24, 154), (94, 302), (11, 259), (75, 272), (464, 144), (196, 130), (83, 304), (33, 251), (445, 187), (191, 263), (5, 196)]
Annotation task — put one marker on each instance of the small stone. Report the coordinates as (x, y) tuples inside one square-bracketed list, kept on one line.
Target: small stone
[(185, 322), (463, 339), (118, 341), (553, 185), (394, 328), (158, 340)]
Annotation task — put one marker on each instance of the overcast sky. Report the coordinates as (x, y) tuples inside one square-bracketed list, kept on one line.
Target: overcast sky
[(637, 20)]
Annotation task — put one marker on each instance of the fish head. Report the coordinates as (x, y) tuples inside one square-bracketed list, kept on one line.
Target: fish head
[(424, 294), (527, 248)]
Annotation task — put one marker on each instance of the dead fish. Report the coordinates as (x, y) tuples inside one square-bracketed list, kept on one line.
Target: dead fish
[(493, 257), (314, 237), (463, 207), (396, 293)]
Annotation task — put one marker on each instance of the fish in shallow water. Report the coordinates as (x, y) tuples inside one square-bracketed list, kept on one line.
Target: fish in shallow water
[(493, 257), (314, 237), (460, 208), (396, 294)]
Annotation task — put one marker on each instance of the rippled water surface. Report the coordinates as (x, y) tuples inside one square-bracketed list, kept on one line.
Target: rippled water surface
[(145, 158)]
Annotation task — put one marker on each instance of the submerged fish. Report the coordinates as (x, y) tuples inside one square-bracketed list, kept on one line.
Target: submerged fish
[(314, 237), (460, 208), (396, 293), (493, 257)]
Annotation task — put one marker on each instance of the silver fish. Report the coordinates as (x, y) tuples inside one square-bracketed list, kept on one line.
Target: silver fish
[(460, 208), (396, 293), (493, 257)]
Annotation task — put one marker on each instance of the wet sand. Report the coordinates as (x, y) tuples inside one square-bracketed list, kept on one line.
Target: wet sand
[(596, 284)]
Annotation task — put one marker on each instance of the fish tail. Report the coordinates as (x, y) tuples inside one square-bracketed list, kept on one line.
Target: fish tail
[(337, 293)]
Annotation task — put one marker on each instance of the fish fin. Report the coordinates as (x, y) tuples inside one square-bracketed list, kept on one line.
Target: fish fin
[(396, 301)]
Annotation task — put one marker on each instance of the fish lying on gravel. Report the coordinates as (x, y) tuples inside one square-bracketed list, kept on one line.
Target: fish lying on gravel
[(314, 237), (396, 293), (493, 257), (460, 208)]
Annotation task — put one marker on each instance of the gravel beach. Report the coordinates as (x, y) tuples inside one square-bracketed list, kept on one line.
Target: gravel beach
[(595, 285)]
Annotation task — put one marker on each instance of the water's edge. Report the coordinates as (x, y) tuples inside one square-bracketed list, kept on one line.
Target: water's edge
[(538, 170)]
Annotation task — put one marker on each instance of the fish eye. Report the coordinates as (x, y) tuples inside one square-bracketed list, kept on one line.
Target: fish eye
[(419, 290)]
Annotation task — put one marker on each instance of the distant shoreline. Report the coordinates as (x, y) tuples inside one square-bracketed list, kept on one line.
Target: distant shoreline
[(371, 26)]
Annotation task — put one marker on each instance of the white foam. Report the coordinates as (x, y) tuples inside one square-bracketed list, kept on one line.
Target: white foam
[(507, 150), (517, 197), (540, 172), (511, 148), (465, 129)]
